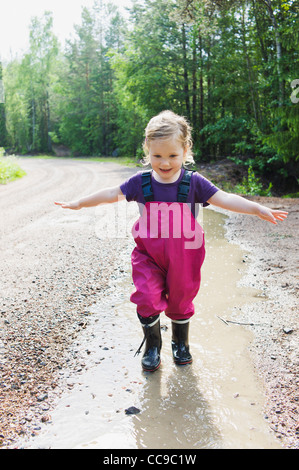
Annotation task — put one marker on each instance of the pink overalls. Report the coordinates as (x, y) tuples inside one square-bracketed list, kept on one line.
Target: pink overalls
[(167, 260)]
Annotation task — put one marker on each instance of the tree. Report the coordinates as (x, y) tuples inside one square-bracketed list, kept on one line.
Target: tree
[(227, 65), (88, 114), (252, 60), (16, 107), (156, 69), (41, 58), (3, 134), (27, 87)]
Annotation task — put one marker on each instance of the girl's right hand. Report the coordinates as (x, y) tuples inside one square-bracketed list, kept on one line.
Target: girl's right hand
[(74, 205)]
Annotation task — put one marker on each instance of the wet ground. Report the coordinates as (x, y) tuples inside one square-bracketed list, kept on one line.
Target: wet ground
[(217, 402), (69, 332)]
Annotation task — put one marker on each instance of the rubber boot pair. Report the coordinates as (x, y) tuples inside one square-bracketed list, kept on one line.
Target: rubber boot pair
[(151, 359)]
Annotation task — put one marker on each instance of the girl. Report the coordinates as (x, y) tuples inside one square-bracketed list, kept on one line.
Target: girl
[(169, 251)]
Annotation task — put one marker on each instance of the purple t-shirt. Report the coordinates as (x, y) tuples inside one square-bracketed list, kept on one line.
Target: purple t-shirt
[(201, 189)]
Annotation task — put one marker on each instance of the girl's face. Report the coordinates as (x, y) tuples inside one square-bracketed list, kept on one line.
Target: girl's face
[(166, 157)]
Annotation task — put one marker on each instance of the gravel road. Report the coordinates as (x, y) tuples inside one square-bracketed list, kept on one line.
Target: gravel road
[(53, 268)]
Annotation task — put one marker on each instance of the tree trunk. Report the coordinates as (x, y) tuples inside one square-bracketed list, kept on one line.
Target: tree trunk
[(259, 32), (33, 124), (278, 50), (48, 122), (201, 91), (249, 70), (194, 86), (186, 84)]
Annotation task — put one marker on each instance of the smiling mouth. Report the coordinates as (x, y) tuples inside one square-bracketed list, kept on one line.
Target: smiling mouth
[(165, 171)]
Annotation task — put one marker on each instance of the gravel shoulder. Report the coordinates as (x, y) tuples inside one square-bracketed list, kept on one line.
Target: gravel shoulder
[(53, 268), (272, 258)]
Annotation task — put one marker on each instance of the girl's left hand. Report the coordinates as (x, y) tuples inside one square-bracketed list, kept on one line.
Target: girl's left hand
[(271, 215)]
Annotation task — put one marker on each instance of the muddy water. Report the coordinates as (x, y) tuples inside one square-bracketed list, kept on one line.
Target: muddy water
[(214, 403)]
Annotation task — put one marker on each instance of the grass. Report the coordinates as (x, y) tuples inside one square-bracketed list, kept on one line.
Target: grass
[(10, 170)]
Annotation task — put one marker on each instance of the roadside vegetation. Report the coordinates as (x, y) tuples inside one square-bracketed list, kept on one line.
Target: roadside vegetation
[(10, 170)]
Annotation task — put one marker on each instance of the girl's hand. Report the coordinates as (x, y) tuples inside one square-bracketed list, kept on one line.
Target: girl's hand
[(271, 215), (104, 196), (236, 203), (69, 205)]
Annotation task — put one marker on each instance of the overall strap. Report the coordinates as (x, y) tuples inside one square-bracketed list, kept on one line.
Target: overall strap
[(183, 189), (184, 186), (147, 186)]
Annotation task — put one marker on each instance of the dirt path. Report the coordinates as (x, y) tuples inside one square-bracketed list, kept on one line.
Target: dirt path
[(53, 268)]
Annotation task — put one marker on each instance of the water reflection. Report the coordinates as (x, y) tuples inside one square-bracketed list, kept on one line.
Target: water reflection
[(175, 414)]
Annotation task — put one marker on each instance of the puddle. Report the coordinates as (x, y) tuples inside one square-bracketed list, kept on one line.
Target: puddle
[(215, 403)]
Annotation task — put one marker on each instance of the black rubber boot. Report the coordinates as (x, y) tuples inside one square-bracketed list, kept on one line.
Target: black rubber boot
[(151, 359), (180, 342)]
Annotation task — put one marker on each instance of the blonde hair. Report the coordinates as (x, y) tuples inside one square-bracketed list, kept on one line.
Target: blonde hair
[(164, 126)]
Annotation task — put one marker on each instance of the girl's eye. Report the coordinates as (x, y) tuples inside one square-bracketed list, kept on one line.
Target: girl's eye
[(170, 156)]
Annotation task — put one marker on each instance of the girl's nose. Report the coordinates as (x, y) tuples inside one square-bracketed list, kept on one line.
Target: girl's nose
[(164, 163)]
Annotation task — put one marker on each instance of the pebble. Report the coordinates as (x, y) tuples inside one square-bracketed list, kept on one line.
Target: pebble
[(288, 331), (132, 410), (42, 397)]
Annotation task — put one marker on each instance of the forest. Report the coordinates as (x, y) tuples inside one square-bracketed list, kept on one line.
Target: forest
[(229, 66)]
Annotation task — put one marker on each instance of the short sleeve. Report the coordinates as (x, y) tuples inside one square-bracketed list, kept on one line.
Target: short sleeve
[(131, 187), (203, 188)]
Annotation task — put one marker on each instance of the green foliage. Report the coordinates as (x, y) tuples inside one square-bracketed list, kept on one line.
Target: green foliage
[(87, 102), (251, 186), (227, 66), (27, 87), (9, 168), (284, 139)]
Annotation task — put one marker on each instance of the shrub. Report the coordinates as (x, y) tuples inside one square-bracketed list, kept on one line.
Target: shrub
[(252, 186), (9, 168)]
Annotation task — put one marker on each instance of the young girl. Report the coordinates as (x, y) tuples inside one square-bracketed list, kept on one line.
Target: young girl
[(169, 251)]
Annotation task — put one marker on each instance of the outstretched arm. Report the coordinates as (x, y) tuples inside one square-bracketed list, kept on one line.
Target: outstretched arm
[(105, 196), (236, 203)]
